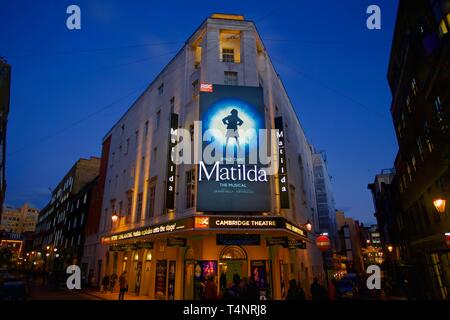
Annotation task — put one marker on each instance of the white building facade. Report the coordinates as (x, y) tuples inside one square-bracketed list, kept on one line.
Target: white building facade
[(168, 250)]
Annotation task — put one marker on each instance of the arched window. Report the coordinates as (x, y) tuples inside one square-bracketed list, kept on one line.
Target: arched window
[(233, 253)]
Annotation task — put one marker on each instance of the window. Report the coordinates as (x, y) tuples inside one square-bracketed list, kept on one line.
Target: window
[(161, 89), (438, 109), (158, 118), (408, 104), (139, 206), (146, 129), (195, 88), (143, 164), (172, 105), (136, 138), (231, 78), (155, 154), (122, 129), (113, 157), (419, 147), (129, 203), (414, 86), (120, 152), (191, 132), (151, 199), (227, 55), (408, 168), (127, 146), (190, 188)]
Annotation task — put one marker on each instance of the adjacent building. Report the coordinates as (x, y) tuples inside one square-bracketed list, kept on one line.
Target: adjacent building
[(5, 84), (326, 211), (60, 230), (171, 225), (349, 244), (419, 78), (17, 230), (19, 220)]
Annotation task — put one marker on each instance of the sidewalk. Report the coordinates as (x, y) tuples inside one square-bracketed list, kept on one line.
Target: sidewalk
[(113, 296)]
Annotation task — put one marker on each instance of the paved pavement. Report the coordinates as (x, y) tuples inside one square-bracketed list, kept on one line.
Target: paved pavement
[(112, 296)]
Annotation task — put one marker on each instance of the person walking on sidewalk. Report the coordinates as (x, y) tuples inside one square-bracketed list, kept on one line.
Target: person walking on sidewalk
[(123, 284), (105, 283)]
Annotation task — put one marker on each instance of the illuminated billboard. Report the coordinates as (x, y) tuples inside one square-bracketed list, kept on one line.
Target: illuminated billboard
[(234, 181)]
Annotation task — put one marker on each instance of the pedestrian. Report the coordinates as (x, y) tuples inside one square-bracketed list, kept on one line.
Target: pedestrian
[(292, 290), (123, 285), (317, 291), (113, 282), (252, 289), (243, 289), (331, 290), (301, 293), (223, 283), (232, 292), (210, 289), (105, 282)]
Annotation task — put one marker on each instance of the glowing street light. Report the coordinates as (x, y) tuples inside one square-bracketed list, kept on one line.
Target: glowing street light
[(114, 217), (390, 248), (48, 247), (308, 225), (56, 249), (439, 204)]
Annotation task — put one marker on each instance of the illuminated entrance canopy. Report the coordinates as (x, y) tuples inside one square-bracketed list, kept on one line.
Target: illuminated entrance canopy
[(203, 222)]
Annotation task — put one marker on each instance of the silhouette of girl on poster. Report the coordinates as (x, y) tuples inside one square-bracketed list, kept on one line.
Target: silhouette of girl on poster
[(232, 122)]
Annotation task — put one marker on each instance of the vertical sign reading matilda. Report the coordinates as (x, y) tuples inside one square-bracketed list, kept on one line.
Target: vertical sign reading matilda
[(283, 185), (236, 180), (171, 167)]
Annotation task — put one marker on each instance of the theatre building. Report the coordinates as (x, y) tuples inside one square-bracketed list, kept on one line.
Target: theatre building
[(171, 224)]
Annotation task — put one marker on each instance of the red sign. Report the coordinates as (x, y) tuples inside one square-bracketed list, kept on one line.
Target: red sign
[(206, 87), (201, 223), (323, 243), (447, 239)]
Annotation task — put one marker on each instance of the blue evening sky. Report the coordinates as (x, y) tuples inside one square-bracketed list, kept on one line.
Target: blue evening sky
[(66, 94)]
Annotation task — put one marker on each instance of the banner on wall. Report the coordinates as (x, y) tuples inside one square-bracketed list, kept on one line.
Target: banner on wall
[(283, 184), (231, 119), (171, 167), (259, 273), (171, 281), (203, 269), (160, 279)]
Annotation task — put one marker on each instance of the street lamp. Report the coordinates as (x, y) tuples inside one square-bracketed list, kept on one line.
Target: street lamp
[(48, 247), (114, 217), (56, 249), (390, 248), (308, 225), (439, 204)]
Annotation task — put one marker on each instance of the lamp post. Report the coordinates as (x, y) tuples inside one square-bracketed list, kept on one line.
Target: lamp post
[(308, 226), (114, 217), (439, 204), (324, 244)]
